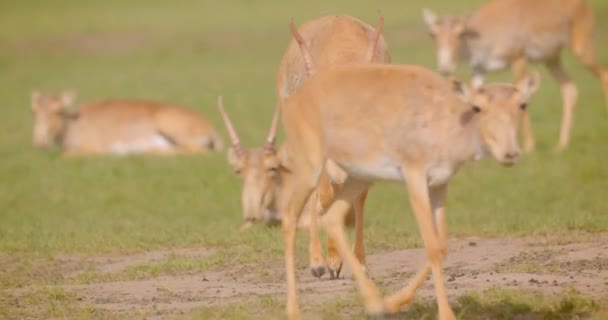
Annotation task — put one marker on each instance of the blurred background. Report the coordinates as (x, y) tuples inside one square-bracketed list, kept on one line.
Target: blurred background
[(189, 52)]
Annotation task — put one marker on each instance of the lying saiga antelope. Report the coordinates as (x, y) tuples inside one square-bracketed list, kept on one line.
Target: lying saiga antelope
[(119, 127), (321, 43), (511, 33), (398, 123)]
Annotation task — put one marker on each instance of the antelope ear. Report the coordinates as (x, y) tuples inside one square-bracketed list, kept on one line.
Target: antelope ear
[(35, 99), (462, 90), (68, 97), (459, 25), (469, 33), (235, 160), (430, 19), (283, 154), (528, 85)]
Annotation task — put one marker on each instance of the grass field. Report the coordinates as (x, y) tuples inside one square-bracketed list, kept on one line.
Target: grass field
[(188, 52)]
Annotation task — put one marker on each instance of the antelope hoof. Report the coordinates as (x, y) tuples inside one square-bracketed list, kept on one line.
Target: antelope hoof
[(293, 313), (448, 315), (377, 316), (334, 272), (376, 312), (559, 148), (246, 226), (317, 271)]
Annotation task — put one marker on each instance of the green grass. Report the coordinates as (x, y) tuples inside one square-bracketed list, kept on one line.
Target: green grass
[(188, 52), (496, 304), (48, 303)]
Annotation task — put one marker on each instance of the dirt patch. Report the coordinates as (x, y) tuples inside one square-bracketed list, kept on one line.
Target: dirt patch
[(472, 265), (118, 263)]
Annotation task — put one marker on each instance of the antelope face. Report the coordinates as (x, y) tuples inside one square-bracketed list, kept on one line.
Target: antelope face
[(259, 170), (447, 32), (50, 113), (498, 110)]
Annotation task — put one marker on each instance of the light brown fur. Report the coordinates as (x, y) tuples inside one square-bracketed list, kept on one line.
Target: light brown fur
[(510, 34), (399, 123), (330, 41), (120, 127)]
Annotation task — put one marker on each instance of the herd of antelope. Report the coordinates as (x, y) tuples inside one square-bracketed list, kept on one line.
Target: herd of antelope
[(352, 118)]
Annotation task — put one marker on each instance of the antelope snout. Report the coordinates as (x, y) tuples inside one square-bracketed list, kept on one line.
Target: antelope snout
[(510, 157), (445, 64), (41, 144)]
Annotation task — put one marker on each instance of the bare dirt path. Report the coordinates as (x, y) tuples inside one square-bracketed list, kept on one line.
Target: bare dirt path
[(472, 265)]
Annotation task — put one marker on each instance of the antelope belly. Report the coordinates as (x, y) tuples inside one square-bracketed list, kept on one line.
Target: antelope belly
[(156, 142), (378, 169)]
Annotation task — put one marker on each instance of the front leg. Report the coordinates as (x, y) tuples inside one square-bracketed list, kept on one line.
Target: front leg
[(418, 191), (438, 196), (404, 296)]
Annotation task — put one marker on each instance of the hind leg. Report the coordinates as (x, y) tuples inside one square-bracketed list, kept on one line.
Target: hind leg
[(569, 97), (333, 222), (317, 265), (582, 45), (359, 248)]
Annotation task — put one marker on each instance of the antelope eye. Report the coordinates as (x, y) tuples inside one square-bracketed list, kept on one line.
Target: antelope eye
[(523, 106), (476, 109)]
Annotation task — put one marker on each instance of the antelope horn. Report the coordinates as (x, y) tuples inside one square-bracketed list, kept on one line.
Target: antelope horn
[(371, 50), (272, 134), (303, 48), (234, 138)]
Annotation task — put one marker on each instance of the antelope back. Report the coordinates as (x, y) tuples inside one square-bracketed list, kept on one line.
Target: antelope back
[(332, 41)]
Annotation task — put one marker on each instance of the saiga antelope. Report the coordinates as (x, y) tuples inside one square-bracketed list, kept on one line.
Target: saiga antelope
[(119, 127), (509, 34), (399, 123), (320, 43)]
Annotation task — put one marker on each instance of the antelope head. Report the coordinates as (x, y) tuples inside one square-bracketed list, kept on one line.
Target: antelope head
[(448, 33), (498, 110), (260, 170), (51, 114)]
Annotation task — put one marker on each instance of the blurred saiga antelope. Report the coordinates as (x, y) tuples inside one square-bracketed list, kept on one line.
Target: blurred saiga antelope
[(409, 125), (510, 34), (321, 43), (119, 127)]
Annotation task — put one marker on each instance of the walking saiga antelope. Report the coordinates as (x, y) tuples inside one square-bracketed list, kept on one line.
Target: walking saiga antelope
[(398, 123), (119, 127), (320, 43), (511, 33)]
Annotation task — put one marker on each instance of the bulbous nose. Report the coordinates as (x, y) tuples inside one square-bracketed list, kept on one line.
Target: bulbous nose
[(512, 155), (41, 144)]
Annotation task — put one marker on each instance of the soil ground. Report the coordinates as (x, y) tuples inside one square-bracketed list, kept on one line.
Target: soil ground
[(473, 265)]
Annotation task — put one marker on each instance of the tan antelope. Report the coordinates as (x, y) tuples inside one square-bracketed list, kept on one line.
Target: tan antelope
[(320, 43), (119, 127), (397, 123), (509, 34)]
